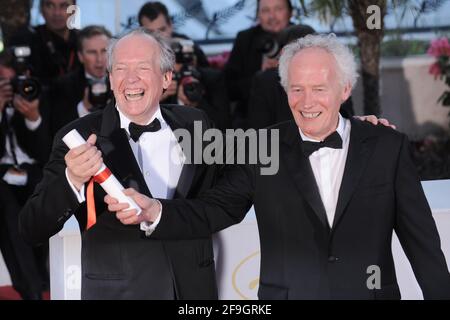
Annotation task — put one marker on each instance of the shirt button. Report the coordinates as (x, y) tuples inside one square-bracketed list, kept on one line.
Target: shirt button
[(332, 259), (147, 173)]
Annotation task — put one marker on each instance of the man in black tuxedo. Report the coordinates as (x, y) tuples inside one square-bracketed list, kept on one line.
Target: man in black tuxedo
[(137, 140), (72, 94), (326, 218)]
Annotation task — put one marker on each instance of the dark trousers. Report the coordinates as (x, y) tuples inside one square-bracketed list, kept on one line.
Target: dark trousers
[(27, 266)]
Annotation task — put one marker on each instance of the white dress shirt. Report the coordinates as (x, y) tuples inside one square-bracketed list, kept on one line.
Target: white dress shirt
[(162, 162), (328, 166)]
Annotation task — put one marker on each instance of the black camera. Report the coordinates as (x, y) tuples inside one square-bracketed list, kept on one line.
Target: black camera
[(269, 46), (26, 86), (184, 51), (188, 76), (99, 93), (190, 79)]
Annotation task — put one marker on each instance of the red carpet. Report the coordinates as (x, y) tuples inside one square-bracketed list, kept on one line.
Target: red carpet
[(8, 293)]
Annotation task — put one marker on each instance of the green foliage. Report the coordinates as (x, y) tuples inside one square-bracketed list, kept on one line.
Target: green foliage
[(402, 48)]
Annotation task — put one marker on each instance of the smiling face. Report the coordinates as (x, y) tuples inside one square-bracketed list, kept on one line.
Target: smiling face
[(315, 93), (136, 77)]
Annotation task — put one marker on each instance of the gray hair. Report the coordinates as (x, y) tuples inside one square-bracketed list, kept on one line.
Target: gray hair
[(345, 60), (166, 57)]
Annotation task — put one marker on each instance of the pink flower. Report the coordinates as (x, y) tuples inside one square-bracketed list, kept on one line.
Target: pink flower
[(218, 61), (439, 47), (435, 70)]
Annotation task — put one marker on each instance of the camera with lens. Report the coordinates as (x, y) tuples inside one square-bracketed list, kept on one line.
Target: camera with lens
[(184, 51), (99, 93), (270, 46), (26, 86), (188, 76)]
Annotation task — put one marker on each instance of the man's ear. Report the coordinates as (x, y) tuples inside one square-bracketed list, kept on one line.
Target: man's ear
[(80, 57), (346, 92), (110, 77), (167, 79)]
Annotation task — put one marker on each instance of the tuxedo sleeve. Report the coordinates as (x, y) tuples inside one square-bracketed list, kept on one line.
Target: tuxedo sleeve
[(52, 202), (416, 230), (225, 204)]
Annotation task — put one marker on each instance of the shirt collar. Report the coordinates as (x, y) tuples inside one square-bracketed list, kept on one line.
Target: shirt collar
[(125, 122), (340, 129), (91, 77)]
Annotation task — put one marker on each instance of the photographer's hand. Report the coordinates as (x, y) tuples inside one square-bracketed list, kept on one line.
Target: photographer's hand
[(6, 93), (185, 100), (269, 63), (29, 109), (171, 90)]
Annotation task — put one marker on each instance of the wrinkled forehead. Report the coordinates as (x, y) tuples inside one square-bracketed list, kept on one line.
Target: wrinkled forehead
[(313, 62), (137, 45), (316, 57)]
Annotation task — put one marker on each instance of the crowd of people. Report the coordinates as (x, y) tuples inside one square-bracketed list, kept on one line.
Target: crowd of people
[(153, 80)]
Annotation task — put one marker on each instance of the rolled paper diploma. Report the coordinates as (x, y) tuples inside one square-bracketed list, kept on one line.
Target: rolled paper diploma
[(104, 177)]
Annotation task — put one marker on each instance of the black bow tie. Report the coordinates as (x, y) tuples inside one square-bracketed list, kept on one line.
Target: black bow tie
[(334, 141), (136, 130)]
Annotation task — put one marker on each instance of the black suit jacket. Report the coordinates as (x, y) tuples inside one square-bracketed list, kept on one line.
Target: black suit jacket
[(66, 92), (119, 262), (268, 104), (301, 256), (245, 60)]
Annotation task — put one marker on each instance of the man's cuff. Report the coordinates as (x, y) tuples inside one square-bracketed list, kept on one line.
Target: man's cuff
[(149, 227), (79, 194), (33, 125)]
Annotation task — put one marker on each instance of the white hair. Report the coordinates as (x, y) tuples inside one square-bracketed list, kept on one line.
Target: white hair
[(166, 57), (345, 60)]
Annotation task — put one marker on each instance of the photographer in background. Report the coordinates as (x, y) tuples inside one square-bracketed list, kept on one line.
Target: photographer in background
[(81, 92), (247, 55), (194, 83), (53, 45), (154, 16), (24, 148), (198, 87)]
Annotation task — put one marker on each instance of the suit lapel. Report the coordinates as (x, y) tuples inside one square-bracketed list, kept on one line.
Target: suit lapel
[(359, 152), (117, 153), (188, 171), (301, 172)]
